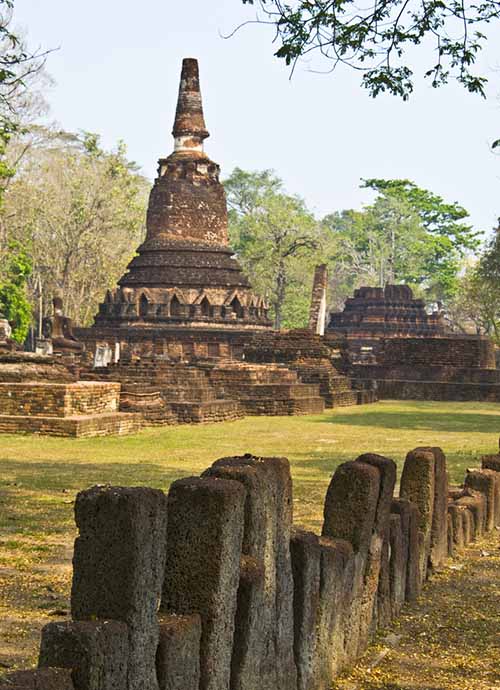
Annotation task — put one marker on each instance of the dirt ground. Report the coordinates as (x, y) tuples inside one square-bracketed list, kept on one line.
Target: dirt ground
[(450, 639)]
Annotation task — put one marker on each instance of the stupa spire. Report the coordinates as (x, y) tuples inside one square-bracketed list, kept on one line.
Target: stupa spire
[(189, 127)]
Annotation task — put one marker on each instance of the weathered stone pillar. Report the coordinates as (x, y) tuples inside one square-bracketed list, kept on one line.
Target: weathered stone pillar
[(335, 597), (118, 566), (317, 310), (491, 462), (397, 564), (39, 679), (439, 539), (457, 522), (451, 543), (387, 470), (485, 482), (323, 572), (382, 611), (417, 485), (410, 519), (264, 634), (350, 514), (178, 655), (202, 566), (306, 557), (476, 503), (96, 651)]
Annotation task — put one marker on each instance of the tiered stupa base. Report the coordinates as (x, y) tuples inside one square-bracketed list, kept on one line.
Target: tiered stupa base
[(312, 360)]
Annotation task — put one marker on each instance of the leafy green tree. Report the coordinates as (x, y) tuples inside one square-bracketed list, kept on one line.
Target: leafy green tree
[(14, 302), (448, 236), (79, 211), (19, 68), (478, 300), (376, 38), (408, 235), (384, 243), (277, 240)]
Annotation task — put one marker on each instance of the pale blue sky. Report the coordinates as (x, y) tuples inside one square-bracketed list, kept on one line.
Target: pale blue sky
[(117, 71)]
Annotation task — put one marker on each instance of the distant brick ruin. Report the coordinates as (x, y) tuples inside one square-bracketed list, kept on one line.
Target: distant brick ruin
[(393, 346), (390, 312), (211, 587)]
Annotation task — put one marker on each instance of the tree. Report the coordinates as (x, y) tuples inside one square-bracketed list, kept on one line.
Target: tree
[(479, 297), (383, 243), (20, 69), (375, 39), (14, 303), (78, 211), (448, 238), (277, 240), (408, 235)]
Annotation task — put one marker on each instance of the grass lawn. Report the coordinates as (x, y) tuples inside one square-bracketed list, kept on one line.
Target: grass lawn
[(39, 477)]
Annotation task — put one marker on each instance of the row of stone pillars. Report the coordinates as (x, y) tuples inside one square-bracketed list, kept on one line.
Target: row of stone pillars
[(211, 588)]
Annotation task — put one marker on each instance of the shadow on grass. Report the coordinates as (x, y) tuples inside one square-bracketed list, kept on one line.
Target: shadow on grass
[(80, 475), (458, 422), (41, 495)]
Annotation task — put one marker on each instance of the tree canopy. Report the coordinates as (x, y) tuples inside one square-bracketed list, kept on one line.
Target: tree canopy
[(78, 211), (377, 39), (277, 240), (14, 302)]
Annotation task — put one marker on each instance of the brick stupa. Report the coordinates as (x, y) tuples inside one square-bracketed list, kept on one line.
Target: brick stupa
[(390, 312), (185, 273)]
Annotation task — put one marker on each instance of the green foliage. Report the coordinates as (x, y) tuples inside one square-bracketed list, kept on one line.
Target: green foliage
[(447, 237), (14, 302), (79, 210), (277, 240), (475, 306), (408, 235), (375, 38)]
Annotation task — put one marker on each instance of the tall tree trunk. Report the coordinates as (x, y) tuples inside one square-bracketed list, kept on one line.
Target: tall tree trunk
[(280, 295)]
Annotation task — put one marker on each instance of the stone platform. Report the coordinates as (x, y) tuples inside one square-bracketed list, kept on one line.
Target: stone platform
[(109, 424), (73, 409), (313, 361), (267, 389), (166, 392)]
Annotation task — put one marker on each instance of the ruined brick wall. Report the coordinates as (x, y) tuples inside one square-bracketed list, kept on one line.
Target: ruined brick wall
[(431, 352), (57, 399), (243, 595), (177, 344)]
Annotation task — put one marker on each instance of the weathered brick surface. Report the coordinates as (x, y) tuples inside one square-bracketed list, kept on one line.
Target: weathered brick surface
[(78, 427), (390, 311), (59, 399), (185, 273)]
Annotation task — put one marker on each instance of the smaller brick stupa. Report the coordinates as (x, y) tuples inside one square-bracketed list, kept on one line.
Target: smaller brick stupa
[(392, 311), (185, 273)]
